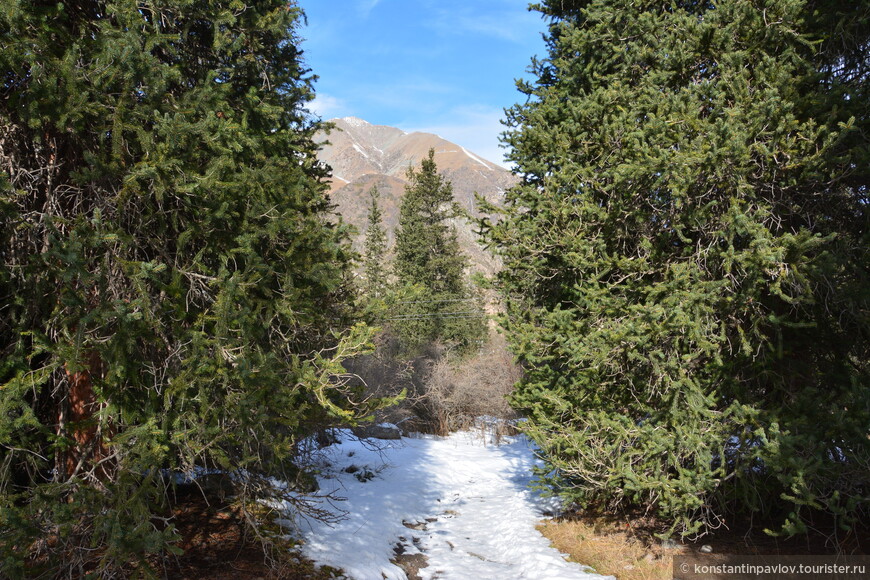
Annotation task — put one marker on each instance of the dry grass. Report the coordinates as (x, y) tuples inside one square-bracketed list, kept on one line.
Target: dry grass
[(610, 550), (627, 545)]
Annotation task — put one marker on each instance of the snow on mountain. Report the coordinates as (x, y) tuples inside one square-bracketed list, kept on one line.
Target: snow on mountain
[(478, 159), (356, 122)]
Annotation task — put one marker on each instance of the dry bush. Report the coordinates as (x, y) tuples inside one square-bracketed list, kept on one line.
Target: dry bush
[(443, 394), (458, 393), (386, 373)]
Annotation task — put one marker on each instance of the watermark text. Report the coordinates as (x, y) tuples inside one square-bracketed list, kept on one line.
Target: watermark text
[(732, 567)]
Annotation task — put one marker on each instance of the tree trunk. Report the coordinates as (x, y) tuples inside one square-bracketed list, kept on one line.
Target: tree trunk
[(79, 421)]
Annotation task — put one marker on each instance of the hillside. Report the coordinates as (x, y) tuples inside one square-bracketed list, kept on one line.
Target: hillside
[(363, 155)]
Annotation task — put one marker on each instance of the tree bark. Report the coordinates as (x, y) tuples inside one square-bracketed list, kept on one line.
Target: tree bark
[(89, 454)]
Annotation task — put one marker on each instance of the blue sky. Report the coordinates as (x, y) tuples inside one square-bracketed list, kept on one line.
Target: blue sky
[(441, 66)]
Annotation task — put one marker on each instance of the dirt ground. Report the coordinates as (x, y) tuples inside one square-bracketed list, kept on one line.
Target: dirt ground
[(218, 546)]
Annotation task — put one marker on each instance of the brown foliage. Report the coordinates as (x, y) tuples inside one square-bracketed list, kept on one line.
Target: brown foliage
[(442, 394), (458, 393)]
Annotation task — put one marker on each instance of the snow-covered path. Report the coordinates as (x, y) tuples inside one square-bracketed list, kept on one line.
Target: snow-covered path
[(465, 505)]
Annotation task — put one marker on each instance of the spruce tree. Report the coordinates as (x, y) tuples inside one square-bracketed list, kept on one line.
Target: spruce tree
[(434, 301), (686, 257), (427, 249), (374, 266), (170, 285)]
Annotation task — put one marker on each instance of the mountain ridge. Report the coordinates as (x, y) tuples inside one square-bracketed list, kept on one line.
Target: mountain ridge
[(363, 155), (368, 148)]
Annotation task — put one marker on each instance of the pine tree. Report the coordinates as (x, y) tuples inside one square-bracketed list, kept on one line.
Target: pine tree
[(374, 266), (170, 285), (686, 257), (434, 300)]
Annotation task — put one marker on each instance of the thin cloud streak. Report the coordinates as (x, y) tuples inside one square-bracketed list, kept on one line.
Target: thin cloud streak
[(326, 106)]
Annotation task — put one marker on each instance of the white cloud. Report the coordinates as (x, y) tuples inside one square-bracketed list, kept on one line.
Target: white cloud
[(510, 27), (477, 128), (326, 106)]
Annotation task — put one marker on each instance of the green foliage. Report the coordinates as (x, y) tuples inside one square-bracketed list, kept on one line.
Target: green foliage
[(427, 250), (164, 234), (686, 257), (420, 317), (374, 258), (433, 300)]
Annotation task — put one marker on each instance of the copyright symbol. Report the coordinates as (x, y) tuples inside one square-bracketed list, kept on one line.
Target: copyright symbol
[(684, 567)]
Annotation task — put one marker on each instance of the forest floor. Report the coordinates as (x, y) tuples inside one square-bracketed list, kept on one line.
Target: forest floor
[(218, 545)]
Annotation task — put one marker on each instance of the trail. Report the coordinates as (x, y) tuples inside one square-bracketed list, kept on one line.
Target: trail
[(460, 506)]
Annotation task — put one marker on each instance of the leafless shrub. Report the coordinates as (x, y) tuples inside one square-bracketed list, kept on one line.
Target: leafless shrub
[(459, 393), (384, 373), (442, 393)]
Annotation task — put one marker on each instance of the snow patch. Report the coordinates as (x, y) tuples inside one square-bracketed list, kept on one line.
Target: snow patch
[(360, 151), (356, 122), (476, 158), (463, 503)]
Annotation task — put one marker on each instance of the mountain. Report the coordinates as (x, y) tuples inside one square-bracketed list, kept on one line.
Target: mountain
[(363, 155)]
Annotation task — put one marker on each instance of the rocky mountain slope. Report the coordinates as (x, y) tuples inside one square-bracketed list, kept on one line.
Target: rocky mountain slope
[(363, 155)]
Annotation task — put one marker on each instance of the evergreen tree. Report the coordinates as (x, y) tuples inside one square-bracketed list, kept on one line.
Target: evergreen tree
[(686, 257), (170, 285), (427, 249), (434, 301), (374, 267)]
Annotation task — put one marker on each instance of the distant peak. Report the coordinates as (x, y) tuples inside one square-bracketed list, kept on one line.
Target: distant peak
[(356, 122)]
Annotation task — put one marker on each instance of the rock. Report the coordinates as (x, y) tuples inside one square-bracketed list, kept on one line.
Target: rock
[(706, 549), (383, 431), (411, 564), (669, 544), (364, 475), (414, 525)]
